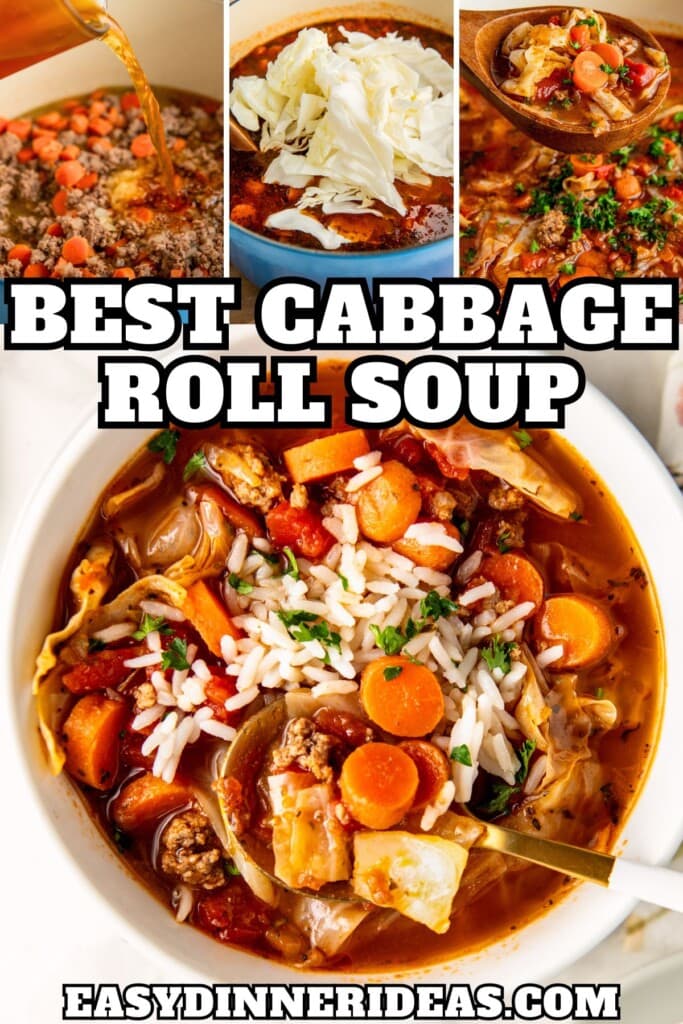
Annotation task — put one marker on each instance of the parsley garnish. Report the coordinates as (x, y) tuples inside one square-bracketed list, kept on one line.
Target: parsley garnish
[(392, 671), (434, 606), (470, 256), (534, 246), (497, 654), (151, 625), (523, 438), (621, 156), (519, 187), (193, 465), (122, 841), (231, 868), (165, 443), (499, 802), (344, 581), (599, 693), (240, 585), (647, 220), (567, 268), (501, 542), (293, 564), (576, 516), (392, 640), (271, 559), (462, 755), (607, 68), (305, 627), (590, 21), (175, 655), (95, 645), (296, 617)]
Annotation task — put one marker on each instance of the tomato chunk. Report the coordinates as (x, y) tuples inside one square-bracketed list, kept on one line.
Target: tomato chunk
[(300, 529), (548, 86), (640, 74), (101, 670), (234, 914), (217, 690)]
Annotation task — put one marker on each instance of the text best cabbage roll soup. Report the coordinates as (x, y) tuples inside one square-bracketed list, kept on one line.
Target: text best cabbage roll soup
[(285, 666)]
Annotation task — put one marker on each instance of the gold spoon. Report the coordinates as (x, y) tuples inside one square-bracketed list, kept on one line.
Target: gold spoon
[(661, 886), (240, 139), (481, 34)]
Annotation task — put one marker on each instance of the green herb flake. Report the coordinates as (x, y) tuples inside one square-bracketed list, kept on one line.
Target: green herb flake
[(519, 187), (165, 444), (231, 868), (462, 755), (497, 654), (567, 268), (502, 542), (523, 438), (599, 693), (590, 21), (436, 607), (239, 585), (150, 624), (534, 246), (344, 582), (296, 617), (175, 655), (193, 465), (122, 841), (293, 570), (576, 516), (392, 672), (266, 556), (470, 256), (390, 639), (524, 754), (501, 792), (95, 645)]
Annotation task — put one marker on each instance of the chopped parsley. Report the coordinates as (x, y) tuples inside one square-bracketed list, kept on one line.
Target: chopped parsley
[(647, 220), (150, 624), (193, 465), (599, 693), (608, 69), (271, 559), (344, 581), (166, 444), (519, 187), (470, 256), (534, 246), (231, 868), (462, 755), (239, 585), (391, 639), (122, 841), (497, 654), (392, 671), (590, 21), (576, 516), (175, 655), (296, 617), (502, 542), (436, 607), (567, 268), (501, 792), (463, 525), (95, 645), (468, 232), (293, 570), (305, 627), (523, 438), (622, 155)]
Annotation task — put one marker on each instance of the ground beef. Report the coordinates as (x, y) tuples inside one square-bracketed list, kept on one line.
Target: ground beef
[(551, 229), (441, 505), (122, 211), (306, 747), (248, 472), (503, 498), (510, 534), (190, 851)]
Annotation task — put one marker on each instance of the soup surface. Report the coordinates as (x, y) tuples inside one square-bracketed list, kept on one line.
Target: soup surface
[(456, 618), (528, 211), (413, 201), (81, 194), (578, 67)]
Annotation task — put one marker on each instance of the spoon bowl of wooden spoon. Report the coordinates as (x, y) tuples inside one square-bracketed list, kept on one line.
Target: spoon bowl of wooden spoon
[(481, 36)]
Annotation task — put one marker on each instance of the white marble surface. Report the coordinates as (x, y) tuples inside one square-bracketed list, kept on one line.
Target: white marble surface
[(54, 922)]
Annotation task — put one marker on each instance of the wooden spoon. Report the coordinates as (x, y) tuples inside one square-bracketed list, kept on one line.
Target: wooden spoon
[(240, 139), (481, 34)]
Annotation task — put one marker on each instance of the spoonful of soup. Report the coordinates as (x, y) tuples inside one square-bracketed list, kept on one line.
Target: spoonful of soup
[(318, 799), (576, 80)]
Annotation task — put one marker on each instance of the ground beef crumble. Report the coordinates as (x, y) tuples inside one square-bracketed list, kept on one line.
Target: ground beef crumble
[(118, 206), (190, 851)]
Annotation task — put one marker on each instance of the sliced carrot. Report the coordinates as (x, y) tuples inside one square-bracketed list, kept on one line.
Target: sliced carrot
[(50, 120), (3, 124), (49, 153), (243, 213), (432, 769), (25, 154), (516, 577), (69, 172), (21, 127), (610, 54), (146, 799), (130, 101), (389, 504), (124, 272), (431, 556), (239, 516), (79, 124), (91, 739), (40, 141), (56, 230), (88, 180), (378, 784), (326, 456), (587, 75), (209, 616), (21, 253), (70, 153), (77, 250), (100, 126), (142, 146), (60, 202), (36, 270), (580, 34), (143, 214), (579, 624), (401, 696), (582, 163), (97, 108)]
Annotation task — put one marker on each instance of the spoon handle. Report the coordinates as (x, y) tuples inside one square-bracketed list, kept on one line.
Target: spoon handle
[(661, 886)]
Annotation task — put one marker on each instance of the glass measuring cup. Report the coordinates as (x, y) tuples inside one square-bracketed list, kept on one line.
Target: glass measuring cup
[(31, 30)]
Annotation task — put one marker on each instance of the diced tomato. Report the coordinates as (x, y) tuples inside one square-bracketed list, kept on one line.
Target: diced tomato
[(605, 171), (409, 451), (639, 73), (217, 691), (532, 261), (554, 19), (234, 914), (300, 529), (101, 670), (548, 86), (673, 191), (580, 34), (130, 751)]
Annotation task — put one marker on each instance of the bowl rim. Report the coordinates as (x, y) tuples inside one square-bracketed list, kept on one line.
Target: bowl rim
[(447, 241), (598, 912)]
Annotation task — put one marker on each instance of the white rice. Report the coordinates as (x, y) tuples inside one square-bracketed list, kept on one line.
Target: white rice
[(367, 461), (118, 631), (433, 535), (144, 660), (366, 476), (536, 774), (439, 806), (549, 655), (475, 594), (468, 568), (509, 618), (166, 611)]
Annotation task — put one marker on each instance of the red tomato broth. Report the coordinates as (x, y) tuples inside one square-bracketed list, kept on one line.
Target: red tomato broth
[(430, 208)]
